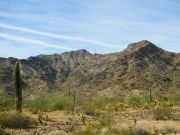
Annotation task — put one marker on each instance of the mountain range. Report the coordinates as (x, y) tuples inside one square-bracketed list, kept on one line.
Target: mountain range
[(141, 66)]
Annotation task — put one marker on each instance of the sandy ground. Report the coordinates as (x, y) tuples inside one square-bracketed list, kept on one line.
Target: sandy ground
[(60, 123)]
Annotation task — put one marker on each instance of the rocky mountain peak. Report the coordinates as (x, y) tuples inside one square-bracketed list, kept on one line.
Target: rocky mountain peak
[(74, 58), (144, 44), (81, 52)]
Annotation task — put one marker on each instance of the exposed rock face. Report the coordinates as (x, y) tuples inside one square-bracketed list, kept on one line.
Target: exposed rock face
[(140, 66)]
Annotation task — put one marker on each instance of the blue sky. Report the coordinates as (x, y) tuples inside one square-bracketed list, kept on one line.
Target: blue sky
[(32, 27)]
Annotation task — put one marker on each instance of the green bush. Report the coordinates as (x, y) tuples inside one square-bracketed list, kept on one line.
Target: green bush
[(16, 120), (105, 119), (89, 108), (38, 104), (49, 102), (102, 102), (92, 129), (7, 102), (88, 132), (162, 113), (176, 99), (136, 101)]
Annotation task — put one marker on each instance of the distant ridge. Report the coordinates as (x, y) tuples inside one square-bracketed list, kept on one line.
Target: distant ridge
[(141, 66)]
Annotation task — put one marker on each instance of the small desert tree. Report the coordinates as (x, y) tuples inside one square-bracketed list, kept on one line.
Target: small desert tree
[(18, 89)]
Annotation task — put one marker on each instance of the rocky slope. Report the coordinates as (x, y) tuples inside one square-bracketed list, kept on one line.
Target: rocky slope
[(141, 66)]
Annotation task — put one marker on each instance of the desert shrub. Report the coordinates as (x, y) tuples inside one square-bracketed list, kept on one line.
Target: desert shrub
[(89, 108), (16, 120), (85, 132), (112, 131), (61, 103), (7, 102), (137, 101), (93, 107), (104, 101), (90, 112), (89, 132), (138, 131), (49, 102), (105, 119), (135, 131), (162, 113), (161, 98), (92, 129), (176, 99), (2, 132), (38, 104)]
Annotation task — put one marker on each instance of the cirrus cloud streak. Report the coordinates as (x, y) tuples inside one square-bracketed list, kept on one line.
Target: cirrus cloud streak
[(58, 36), (34, 42)]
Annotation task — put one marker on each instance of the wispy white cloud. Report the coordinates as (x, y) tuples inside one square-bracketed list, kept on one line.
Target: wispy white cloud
[(58, 36), (98, 26), (34, 42), (31, 17)]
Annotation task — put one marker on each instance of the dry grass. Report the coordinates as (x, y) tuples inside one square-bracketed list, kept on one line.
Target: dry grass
[(16, 120)]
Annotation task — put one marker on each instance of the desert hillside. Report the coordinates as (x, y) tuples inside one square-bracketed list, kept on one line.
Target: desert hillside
[(133, 92), (141, 66)]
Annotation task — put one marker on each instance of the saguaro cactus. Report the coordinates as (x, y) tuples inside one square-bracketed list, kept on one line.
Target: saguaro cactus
[(150, 95), (74, 107), (69, 93), (18, 89)]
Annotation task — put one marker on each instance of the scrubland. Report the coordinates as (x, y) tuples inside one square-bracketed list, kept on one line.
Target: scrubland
[(58, 113)]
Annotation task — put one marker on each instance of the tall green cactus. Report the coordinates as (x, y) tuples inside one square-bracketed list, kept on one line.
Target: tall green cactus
[(18, 89)]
